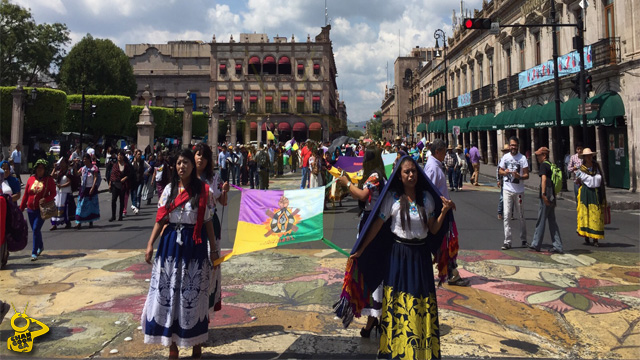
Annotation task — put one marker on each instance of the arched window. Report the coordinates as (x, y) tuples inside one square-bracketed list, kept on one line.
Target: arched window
[(284, 66), (254, 65), (269, 66)]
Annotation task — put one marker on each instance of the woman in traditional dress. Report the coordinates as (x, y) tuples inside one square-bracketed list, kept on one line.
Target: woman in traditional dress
[(591, 199), (410, 327), (40, 189), (64, 196), (176, 312), (367, 193), (88, 209), (217, 195)]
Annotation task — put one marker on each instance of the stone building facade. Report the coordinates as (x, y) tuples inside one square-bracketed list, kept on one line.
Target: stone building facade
[(281, 85), (502, 85)]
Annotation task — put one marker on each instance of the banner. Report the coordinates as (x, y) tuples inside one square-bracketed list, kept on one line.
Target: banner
[(273, 218), (349, 163), (567, 64), (464, 99)]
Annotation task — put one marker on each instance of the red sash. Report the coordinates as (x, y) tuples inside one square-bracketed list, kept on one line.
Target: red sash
[(181, 199)]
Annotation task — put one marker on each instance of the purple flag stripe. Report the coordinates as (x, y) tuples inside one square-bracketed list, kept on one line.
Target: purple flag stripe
[(349, 163), (254, 204)]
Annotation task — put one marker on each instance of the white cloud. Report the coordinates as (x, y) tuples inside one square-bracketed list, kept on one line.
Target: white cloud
[(55, 5)]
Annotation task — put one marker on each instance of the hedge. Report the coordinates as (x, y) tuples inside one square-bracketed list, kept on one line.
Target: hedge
[(112, 113), (44, 116), (168, 124)]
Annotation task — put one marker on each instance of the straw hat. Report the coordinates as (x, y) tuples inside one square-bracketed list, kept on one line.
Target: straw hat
[(459, 147), (505, 148), (542, 150), (450, 147), (586, 151)]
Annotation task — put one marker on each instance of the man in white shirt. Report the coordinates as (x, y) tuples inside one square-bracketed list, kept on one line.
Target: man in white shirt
[(514, 169), (16, 156)]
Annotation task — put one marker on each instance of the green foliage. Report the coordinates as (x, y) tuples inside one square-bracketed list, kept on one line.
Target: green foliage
[(167, 123), (42, 116), (375, 126), (112, 115), (355, 134), (100, 66), (28, 51)]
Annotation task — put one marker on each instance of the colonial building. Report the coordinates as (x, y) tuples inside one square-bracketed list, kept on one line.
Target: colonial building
[(284, 86), (502, 85)]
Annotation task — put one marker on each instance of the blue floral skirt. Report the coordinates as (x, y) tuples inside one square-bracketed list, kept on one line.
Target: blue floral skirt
[(177, 306), (66, 209), (410, 327), (88, 209)]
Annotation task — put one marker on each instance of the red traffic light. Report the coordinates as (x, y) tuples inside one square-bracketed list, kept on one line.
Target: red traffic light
[(477, 23)]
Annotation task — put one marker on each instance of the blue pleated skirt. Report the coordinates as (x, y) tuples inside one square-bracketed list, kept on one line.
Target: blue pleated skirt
[(177, 306)]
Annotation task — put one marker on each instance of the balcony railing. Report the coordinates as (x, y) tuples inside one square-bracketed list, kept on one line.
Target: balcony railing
[(514, 83), (502, 87), (606, 52), (421, 109), (475, 96), (486, 92)]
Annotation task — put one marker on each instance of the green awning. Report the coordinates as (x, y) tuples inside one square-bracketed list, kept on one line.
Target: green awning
[(463, 123), (482, 123), (515, 119), (546, 116), (500, 120), (437, 91), (421, 127), (434, 126), (530, 115), (611, 108), (569, 111)]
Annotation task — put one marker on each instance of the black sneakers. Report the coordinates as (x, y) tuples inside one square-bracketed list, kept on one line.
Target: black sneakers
[(506, 246)]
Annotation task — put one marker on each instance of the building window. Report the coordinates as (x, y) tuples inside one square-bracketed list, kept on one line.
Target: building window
[(508, 56), (536, 40), (284, 66), (316, 105), (480, 75), (609, 22), (472, 75), (300, 69), (490, 69), (222, 105), (521, 46), (238, 68), (269, 106), (254, 66), (253, 107), (316, 69), (300, 104), (223, 69), (284, 106), (269, 65), (238, 106)]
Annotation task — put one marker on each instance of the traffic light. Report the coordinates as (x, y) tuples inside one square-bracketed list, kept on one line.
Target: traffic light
[(477, 23), (588, 83), (93, 110)]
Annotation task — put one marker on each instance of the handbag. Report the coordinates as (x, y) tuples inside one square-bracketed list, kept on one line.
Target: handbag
[(47, 209), (606, 212)]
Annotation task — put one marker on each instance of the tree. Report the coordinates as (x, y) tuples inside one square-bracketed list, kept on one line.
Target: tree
[(98, 65), (355, 134), (375, 126), (29, 51)]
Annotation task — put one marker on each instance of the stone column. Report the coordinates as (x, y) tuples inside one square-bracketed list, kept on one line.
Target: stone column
[(233, 119), (481, 140), (187, 119), (247, 131), (259, 130), (533, 167), (214, 124), (552, 153), (17, 119), (600, 150), (489, 149), (146, 125), (572, 140)]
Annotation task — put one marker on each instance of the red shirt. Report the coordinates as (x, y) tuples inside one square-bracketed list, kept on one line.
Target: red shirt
[(306, 154), (34, 191)]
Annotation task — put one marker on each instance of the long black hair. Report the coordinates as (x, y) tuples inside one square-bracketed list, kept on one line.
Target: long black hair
[(372, 163), (207, 154), (195, 185), (398, 188)]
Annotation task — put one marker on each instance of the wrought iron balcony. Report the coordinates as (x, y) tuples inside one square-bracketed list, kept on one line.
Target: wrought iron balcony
[(486, 92), (514, 83), (606, 52), (475, 96), (503, 87)]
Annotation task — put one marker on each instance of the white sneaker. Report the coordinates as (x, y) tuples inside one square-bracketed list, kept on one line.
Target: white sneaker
[(135, 211), (133, 207)]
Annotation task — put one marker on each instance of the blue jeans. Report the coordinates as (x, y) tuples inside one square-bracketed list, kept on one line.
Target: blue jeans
[(233, 170), (36, 223), (254, 178), (546, 213), (452, 177), (500, 204), (136, 195), (305, 177)]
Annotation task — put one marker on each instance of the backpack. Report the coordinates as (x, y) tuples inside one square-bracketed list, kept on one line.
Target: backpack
[(556, 177), (262, 160), (16, 226)]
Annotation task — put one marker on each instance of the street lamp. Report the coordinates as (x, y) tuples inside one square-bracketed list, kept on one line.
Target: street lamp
[(439, 34), (175, 106), (34, 94)]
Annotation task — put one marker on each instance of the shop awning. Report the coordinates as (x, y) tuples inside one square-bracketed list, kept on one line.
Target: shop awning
[(316, 66), (300, 98), (569, 111), (529, 117), (237, 98), (268, 98), (254, 60), (514, 119), (222, 98), (316, 126), (316, 98), (611, 108), (223, 66), (421, 127), (284, 126), (546, 115), (300, 66), (437, 91), (463, 123), (238, 66), (436, 126), (253, 125), (269, 60), (299, 126), (253, 98), (284, 60), (284, 98)]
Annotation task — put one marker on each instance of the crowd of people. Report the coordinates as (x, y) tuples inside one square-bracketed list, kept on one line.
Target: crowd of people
[(406, 224)]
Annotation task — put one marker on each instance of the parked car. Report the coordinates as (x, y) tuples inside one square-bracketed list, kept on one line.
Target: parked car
[(55, 149)]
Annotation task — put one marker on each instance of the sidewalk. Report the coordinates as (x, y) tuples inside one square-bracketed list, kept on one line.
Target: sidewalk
[(618, 199), (278, 304)]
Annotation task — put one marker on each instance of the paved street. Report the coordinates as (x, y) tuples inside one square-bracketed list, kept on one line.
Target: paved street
[(89, 287)]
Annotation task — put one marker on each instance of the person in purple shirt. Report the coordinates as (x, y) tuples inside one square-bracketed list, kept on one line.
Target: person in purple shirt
[(474, 156)]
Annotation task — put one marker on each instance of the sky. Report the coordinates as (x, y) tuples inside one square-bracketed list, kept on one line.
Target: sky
[(366, 34)]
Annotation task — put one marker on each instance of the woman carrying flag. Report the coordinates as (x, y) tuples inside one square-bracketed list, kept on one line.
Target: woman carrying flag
[(410, 327), (176, 312)]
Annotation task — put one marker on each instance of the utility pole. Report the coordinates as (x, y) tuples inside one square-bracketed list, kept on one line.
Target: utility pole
[(82, 118), (583, 85), (556, 82)]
